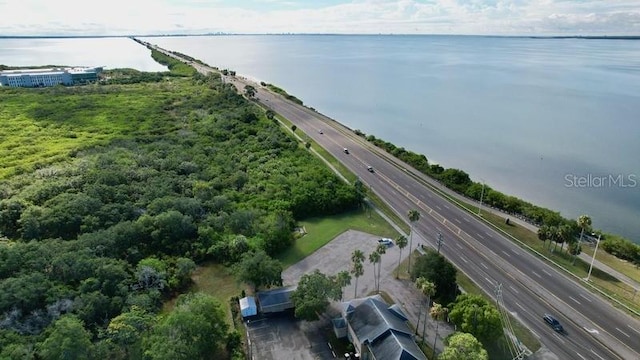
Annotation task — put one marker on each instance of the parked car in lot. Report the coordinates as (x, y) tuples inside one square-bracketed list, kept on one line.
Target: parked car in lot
[(386, 242), (555, 324), (370, 168), (346, 151)]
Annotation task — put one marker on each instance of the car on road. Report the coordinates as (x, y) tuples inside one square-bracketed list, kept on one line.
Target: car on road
[(320, 131), (346, 151), (370, 168), (553, 322), (386, 242)]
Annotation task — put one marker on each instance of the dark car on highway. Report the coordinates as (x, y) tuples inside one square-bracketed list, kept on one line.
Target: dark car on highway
[(555, 324)]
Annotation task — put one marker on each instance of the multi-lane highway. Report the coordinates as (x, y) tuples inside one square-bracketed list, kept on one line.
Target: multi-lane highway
[(530, 287)]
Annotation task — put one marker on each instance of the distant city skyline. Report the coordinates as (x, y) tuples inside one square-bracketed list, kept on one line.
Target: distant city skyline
[(465, 17)]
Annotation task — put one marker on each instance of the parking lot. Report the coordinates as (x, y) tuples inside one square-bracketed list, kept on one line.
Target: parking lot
[(285, 337)]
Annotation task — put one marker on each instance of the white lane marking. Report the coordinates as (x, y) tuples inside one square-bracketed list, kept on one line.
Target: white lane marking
[(467, 220), (458, 245), (574, 300), (546, 272), (521, 307), (439, 208), (484, 266), (591, 331), (480, 236), (447, 206), (584, 297), (596, 354), (536, 274), (506, 253), (582, 357), (623, 333), (514, 251), (634, 329), (489, 281), (488, 233), (515, 291), (463, 259), (458, 220)]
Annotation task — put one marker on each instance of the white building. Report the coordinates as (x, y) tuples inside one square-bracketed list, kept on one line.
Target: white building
[(48, 77)]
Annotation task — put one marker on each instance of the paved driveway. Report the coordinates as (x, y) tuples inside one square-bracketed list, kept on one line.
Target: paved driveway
[(285, 337), (336, 256)]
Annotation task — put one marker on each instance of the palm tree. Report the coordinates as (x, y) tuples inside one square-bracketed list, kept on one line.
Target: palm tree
[(343, 279), (401, 241), (381, 250), (543, 234), (564, 235), (584, 222), (374, 258), (357, 258), (414, 215), (428, 289), (438, 313)]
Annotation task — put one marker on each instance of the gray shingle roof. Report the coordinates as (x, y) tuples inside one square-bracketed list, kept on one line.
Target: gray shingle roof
[(384, 327), (397, 346), (276, 296)]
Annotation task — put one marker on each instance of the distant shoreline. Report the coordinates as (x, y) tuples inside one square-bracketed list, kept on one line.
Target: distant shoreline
[(543, 37)]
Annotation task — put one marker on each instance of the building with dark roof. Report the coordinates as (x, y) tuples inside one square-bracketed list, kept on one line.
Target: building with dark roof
[(276, 300), (378, 331)]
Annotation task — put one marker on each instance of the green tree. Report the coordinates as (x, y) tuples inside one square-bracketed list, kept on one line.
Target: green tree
[(374, 259), (437, 313), (584, 222), (195, 329), (543, 234), (463, 346), (343, 278), (250, 91), (357, 269), (428, 289), (258, 269), (414, 216), (67, 340), (312, 295), (380, 249), (473, 314), (126, 331), (437, 269), (401, 241)]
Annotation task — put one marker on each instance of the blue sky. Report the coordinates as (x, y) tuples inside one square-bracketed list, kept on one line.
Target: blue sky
[(486, 17)]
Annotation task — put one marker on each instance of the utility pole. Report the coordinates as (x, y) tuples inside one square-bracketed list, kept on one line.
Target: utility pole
[(481, 196), (593, 259)]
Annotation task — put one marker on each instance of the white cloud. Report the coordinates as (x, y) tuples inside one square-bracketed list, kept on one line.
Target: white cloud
[(519, 17)]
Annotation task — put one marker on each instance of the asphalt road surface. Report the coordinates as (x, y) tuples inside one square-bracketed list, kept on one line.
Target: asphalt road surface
[(530, 287)]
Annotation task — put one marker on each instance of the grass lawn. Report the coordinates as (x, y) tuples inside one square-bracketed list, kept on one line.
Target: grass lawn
[(216, 280), (320, 231)]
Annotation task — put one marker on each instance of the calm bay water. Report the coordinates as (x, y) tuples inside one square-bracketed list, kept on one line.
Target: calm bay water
[(108, 52), (555, 122), (552, 121)]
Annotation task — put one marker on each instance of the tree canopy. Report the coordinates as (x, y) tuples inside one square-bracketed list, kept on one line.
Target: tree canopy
[(313, 293), (258, 269), (463, 346), (438, 270), (474, 315)]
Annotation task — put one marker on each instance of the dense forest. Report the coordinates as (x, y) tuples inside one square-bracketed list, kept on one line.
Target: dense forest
[(112, 194)]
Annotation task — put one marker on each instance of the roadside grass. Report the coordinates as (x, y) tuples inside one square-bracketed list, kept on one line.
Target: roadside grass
[(319, 231)]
